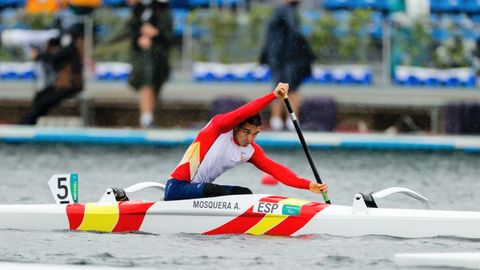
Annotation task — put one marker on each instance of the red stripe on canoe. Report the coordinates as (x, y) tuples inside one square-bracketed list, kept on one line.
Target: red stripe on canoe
[(131, 215), (75, 214), (294, 223), (245, 221)]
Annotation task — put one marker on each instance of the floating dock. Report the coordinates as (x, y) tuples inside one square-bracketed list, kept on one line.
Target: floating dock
[(280, 140)]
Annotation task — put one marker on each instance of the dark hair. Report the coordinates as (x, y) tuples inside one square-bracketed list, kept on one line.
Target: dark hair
[(255, 120)]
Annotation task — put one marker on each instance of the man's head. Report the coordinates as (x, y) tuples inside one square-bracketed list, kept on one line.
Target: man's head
[(246, 131), (293, 3)]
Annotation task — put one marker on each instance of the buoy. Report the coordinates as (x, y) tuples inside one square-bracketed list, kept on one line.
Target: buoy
[(267, 179)]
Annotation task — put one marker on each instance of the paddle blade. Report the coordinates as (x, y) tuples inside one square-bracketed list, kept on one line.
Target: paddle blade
[(325, 197)]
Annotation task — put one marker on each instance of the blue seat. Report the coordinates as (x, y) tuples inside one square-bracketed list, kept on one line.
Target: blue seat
[(452, 82), (335, 4), (29, 75), (432, 81), (475, 18), (250, 77), (367, 4), (114, 2), (229, 77), (12, 3), (348, 79), (228, 3), (471, 6), (124, 77), (471, 82), (207, 77), (444, 5), (441, 34), (468, 33), (412, 81), (179, 20), (198, 3), (381, 5), (366, 80)]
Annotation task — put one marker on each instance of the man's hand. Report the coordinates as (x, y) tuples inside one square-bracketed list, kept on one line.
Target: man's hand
[(281, 90), (144, 42), (318, 188), (148, 30)]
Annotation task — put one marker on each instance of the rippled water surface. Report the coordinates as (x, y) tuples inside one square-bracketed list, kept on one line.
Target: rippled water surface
[(449, 180)]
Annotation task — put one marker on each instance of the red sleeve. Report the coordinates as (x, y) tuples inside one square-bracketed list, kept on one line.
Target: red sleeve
[(278, 171), (226, 122)]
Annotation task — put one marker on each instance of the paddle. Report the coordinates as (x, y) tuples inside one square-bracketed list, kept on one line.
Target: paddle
[(305, 147)]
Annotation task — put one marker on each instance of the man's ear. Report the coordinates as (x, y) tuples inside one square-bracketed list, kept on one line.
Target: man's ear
[(235, 129)]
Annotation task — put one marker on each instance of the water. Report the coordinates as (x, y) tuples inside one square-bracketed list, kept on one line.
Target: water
[(449, 180)]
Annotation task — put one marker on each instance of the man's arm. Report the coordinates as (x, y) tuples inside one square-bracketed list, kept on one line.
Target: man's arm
[(226, 122), (278, 171)]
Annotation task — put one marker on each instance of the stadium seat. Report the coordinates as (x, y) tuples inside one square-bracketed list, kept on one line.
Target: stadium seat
[(367, 4), (335, 4), (114, 3), (12, 3), (445, 5), (471, 6)]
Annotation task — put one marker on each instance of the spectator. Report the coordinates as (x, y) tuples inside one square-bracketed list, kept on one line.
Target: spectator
[(151, 30), (289, 57), (65, 81), (44, 66)]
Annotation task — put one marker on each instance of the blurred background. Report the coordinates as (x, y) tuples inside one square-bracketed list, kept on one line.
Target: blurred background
[(392, 66)]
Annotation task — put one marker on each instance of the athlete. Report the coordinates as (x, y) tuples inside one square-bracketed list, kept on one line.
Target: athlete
[(227, 141)]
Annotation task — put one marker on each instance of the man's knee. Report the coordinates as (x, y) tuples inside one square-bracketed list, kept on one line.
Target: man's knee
[(213, 190), (241, 190)]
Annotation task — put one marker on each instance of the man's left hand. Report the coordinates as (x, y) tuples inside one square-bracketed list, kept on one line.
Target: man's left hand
[(318, 188)]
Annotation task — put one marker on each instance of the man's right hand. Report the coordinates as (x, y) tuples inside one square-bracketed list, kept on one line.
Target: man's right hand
[(281, 90)]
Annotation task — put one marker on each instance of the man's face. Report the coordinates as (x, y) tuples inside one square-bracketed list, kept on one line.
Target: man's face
[(246, 133)]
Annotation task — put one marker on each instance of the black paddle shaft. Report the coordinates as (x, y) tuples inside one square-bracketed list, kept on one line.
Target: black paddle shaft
[(293, 117)]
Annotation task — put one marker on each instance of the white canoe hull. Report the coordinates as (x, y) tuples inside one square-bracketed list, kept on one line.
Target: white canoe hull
[(244, 214)]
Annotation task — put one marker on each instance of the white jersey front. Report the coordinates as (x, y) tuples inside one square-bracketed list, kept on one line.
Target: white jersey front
[(223, 155)]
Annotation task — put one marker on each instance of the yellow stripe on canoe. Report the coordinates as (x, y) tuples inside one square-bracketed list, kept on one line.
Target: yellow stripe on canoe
[(101, 218), (271, 220)]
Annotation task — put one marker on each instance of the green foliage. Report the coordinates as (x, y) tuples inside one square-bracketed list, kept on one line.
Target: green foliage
[(110, 24), (201, 51), (38, 20), (412, 45), (323, 40), (421, 42), (117, 51), (229, 37), (351, 44), (257, 21), (354, 45), (223, 29)]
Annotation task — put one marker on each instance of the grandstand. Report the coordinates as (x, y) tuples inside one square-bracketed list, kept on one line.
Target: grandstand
[(369, 44)]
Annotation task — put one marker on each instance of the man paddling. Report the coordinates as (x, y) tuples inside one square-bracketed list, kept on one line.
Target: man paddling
[(226, 142)]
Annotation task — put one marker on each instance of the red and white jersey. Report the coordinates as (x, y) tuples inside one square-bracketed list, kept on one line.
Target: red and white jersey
[(223, 155), (215, 150)]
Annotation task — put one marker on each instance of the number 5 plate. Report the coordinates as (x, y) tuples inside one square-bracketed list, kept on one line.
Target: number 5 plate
[(64, 188)]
